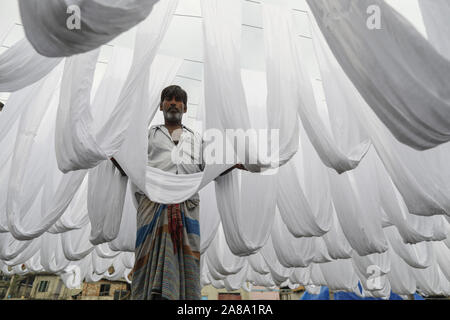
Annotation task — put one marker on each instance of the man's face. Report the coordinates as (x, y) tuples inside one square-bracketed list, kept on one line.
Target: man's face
[(173, 110)]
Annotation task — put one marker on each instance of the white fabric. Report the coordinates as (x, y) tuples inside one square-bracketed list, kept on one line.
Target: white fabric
[(306, 213), (396, 83), (220, 259), (47, 24), (132, 155), (283, 53), (339, 275), (357, 210), (296, 252), (435, 14), (410, 170), (72, 277), (58, 199), (241, 199), (21, 66), (209, 216), (314, 227), (106, 197), (86, 148)]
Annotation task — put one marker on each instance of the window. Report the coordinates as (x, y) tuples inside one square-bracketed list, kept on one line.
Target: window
[(120, 294), (104, 290), (43, 286)]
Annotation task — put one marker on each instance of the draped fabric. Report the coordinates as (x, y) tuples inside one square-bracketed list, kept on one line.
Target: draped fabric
[(410, 170), (342, 200), (21, 66), (283, 56), (99, 22), (435, 13), (397, 83), (98, 146)]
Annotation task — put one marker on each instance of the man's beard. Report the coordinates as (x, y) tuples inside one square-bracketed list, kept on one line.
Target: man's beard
[(173, 117)]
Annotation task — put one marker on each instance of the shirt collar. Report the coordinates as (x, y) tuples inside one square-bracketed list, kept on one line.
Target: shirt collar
[(166, 131)]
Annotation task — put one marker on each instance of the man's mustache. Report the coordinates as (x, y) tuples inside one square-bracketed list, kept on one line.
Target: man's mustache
[(173, 109)]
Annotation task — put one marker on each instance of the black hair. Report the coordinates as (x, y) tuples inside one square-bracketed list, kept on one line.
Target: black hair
[(1, 105), (174, 92)]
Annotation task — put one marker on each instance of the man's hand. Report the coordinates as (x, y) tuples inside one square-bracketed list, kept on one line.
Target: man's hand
[(240, 167), (237, 166)]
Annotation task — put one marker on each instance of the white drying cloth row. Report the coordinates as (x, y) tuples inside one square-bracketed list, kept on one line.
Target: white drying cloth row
[(312, 201)]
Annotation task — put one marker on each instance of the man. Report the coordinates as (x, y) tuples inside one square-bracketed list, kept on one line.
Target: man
[(167, 256)]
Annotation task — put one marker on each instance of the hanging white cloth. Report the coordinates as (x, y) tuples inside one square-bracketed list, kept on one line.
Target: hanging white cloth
[(357, 210), (400, 276), (72, 277), (106, 197), (420, 177), (278, 272), (398, 82), (126, 237), (59, 28), (435, 15), (76, 244), (294, 252), (418, 255), (209, 216), (78, 147), (304, 198), (339, 275), (294, 92), (57, 200), (21, 66)]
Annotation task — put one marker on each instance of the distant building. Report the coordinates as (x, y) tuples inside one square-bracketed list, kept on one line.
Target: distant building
[(4, 285), (105, 290), (257, 293), (51, 287), (45, 286), (16, 287)]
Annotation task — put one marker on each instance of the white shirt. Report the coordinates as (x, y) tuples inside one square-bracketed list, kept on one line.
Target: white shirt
[(182, 158)]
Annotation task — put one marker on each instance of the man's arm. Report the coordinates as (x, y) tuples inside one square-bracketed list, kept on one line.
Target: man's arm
[(116, 164)]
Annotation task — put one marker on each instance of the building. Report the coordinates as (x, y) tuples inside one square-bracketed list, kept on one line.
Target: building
[(16, 287), (257, 293), (105, 290), (45, 286), (51, 287)]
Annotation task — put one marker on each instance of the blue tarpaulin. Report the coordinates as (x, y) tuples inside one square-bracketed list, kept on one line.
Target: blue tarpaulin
[(341, 295), (418, 297), (352, 296), (323, 295)]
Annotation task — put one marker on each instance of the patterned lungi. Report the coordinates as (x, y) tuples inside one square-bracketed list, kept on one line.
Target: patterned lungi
[(167, 255)]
